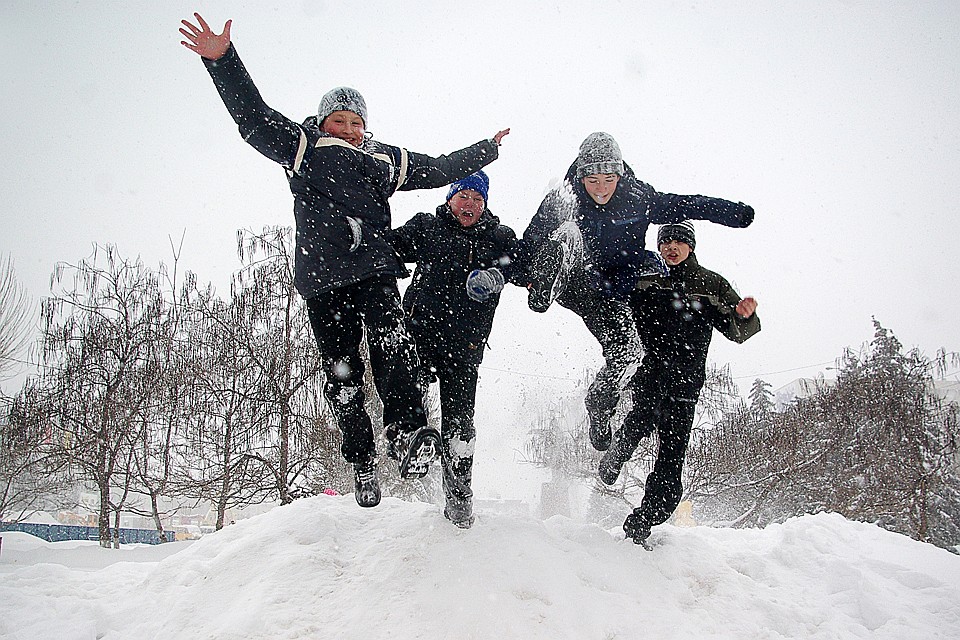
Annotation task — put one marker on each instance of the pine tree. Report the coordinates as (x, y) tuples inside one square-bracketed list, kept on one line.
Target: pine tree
[(761, 398), (877, 446)]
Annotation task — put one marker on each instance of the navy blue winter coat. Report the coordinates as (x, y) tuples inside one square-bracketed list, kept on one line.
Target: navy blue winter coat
[(614, 233), (340, 192)]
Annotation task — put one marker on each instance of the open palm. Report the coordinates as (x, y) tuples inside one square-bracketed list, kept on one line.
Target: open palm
[(203, 40)]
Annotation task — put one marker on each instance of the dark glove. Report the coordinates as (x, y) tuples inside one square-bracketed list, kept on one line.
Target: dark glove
[(652, 264), (482, 283)]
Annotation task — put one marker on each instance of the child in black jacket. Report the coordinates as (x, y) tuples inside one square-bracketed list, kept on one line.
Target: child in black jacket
[(464, 256), (676, 315)]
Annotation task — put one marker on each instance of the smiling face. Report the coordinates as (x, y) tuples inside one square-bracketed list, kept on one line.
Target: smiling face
[(600, 186), (674, 252), (345, 125), (467, 206)]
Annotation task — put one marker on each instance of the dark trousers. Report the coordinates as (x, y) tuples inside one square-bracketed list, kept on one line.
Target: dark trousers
[(611, 322), (458, 393), (655, 408), (339, 319)]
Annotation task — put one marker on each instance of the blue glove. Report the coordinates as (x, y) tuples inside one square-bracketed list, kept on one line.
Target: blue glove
[(482, 283)]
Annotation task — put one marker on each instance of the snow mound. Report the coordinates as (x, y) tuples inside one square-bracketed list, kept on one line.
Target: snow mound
[(323, 567)]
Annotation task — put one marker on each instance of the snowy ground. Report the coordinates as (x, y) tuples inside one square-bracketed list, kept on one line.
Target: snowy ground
[(324, 568)]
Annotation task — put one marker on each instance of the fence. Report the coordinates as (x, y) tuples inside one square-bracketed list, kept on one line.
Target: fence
[(61, 532)]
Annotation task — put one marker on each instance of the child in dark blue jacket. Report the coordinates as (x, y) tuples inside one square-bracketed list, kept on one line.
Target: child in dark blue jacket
[(585, 248), (341, 180)]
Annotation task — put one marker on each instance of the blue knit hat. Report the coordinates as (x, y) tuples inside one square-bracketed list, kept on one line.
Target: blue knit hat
[(478, 181)]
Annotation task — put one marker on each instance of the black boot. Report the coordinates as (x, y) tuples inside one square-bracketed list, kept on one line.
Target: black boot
[(599, 418), (637, 529), (611, 464), (366, 486), (460, 514)]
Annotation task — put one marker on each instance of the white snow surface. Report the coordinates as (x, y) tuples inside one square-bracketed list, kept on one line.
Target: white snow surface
[(325, 568)]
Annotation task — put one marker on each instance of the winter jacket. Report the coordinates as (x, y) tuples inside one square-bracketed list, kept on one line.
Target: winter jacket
[(676, 316), (443, 318), (614, 233), (340, 191)]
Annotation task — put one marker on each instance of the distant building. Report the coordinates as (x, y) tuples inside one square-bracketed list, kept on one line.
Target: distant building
[(799, 388), (948, 390)]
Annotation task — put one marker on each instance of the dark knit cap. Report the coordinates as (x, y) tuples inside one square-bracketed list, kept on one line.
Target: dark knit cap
[(681, 232), (478, 181), (599, 153), (342, 99)]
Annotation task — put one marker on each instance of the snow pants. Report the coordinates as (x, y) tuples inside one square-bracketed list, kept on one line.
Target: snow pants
[(610, 321), (340, 318), (671, 416), (458, 393)]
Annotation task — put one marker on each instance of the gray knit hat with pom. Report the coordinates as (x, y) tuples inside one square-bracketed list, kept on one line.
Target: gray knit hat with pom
[(342, 99), (599, 153)]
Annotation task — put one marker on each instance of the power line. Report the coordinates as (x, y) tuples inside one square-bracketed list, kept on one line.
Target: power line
[(529, 375), (754, 375), (773, 373)]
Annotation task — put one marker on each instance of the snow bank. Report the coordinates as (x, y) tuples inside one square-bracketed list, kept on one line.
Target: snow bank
[(323, 567)]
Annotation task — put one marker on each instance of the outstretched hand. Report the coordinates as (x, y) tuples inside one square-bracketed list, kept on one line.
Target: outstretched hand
[(203, 40), (500, 134), (746, 307)]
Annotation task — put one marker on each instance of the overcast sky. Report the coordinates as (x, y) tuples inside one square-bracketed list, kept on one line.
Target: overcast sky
[(839, 121)]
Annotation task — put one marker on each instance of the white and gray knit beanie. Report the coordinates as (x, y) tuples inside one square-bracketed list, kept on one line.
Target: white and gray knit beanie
[(599, 153), (342, 99)]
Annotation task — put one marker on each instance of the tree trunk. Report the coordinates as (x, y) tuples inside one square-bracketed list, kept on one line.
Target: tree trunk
[(103, 521), (922, 510), (156, 516), (225, 483), (116, 531), (283, 472)]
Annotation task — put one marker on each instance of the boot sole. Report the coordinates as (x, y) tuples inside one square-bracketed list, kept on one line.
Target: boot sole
[(540, 296), (367, 504), (424, 449)]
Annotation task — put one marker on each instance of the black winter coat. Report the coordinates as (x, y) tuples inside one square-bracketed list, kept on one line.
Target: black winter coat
[(340, 192), (614, 233), (443, 318), (676, 316)]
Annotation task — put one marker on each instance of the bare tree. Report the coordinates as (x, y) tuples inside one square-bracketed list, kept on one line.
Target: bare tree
[(28, 480), (17, 322), (103, 367), (877, 446), (152, 461), (283, 349), (219, 399)]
